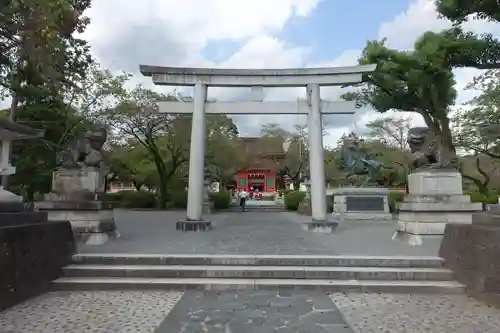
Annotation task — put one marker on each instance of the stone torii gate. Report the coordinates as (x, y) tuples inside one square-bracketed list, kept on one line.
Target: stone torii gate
[(257, 79)]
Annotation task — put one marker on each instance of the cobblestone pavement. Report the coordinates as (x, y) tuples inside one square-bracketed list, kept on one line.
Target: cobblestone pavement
[(255, 232), (254, 312), (89, 312), (391, 313)]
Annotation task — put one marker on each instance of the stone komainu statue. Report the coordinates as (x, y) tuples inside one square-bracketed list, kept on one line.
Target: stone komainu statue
[(85, 151), (427, 152)]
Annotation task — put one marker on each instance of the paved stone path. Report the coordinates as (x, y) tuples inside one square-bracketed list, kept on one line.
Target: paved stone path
[(247, 233), (254, 312)]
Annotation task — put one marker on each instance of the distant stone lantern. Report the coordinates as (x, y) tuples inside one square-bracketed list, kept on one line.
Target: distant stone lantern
[(307, 183), (286, 145), (206, 190)]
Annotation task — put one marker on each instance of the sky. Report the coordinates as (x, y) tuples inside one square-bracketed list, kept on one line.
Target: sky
[(263, 34)]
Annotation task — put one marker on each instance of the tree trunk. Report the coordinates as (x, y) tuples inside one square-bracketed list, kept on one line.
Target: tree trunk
[(30, 193), (163, 180), (137, 185), (446, 137), (162, 204)]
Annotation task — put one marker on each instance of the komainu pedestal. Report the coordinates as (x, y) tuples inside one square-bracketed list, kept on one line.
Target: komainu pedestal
[(78, 187), (435, 199)]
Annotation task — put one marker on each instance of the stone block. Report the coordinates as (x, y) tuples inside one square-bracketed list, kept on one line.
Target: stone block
[(320, 226), (189, 225), (32, 257), (84, 216), (73, 205), (473, 253), (486, 218), (435, 183), (12, 207), (68, 181), (435, 199), (6, 196), (361, 203)]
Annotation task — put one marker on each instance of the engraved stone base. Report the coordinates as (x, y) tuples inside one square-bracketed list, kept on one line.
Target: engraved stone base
[(435, 199), (189, 225), (361, 203), (320, 226)]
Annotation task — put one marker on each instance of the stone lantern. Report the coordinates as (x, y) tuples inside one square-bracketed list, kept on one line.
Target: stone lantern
[(307, 183), (206, 191)]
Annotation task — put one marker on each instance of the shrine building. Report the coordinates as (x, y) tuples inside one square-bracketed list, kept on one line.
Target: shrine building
[(263, 159)]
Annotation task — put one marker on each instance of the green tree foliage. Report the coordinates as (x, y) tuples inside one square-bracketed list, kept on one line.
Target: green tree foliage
[(136, 118), (295, 162), (223, 157), (458, 10), (477, 132), (467, 49), (38, 47), (418, 81)]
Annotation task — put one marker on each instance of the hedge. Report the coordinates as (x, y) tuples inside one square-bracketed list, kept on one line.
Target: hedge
[(133, 199), (293, 199), (490, 198), (221, 199), (178, 199)]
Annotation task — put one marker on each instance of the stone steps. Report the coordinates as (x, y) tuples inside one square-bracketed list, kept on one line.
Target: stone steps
[(322, 272), (375, 286), (257, 260), (260, 272), (257, 208)]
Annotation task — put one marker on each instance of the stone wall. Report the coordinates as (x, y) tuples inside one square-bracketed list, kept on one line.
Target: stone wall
[(473, 253), (31, 256)]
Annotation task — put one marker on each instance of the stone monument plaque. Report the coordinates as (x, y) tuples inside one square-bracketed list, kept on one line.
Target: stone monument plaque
[(360, 203)]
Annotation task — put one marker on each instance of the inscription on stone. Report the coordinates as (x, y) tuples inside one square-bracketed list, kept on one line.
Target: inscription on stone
[(358, 203)]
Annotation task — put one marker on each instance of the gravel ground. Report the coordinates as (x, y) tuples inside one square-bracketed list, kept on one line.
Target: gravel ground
[(390, 313), (86, 312)]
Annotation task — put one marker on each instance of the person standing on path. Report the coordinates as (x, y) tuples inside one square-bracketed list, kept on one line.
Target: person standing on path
[(243, 197)]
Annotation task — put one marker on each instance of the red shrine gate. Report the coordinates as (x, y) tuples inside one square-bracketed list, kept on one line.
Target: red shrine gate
[(262, 179)]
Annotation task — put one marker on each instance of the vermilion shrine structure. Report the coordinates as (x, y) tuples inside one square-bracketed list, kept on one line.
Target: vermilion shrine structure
[(264, 159), (256, 79)]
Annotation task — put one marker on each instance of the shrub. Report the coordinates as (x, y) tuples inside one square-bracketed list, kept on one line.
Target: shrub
[(393, 198), (221, 199), (490, 198), (133, 199), (179, 199), (293, 199)]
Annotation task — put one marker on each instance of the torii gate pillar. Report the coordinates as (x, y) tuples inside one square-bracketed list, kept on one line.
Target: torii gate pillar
[(316, 154)]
